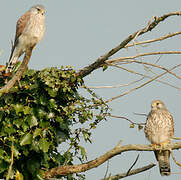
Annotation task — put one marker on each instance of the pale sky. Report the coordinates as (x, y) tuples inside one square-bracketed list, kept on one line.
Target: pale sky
[(78, 32)]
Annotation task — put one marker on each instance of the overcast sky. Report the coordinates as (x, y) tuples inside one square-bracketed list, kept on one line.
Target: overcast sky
[(77, 33)]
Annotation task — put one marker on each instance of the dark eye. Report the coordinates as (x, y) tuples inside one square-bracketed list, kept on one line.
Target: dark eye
[(157, 104), (38, 9)]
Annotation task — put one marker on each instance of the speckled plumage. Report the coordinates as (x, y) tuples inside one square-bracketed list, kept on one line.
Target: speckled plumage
[(30, 29), (159, 130)]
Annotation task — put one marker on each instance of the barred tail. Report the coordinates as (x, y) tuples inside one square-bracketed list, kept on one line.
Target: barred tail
[(163, 158), (11, 64)]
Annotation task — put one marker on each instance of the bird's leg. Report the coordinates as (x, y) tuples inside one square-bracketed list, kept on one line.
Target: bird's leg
[(164, 144), (155, 146)]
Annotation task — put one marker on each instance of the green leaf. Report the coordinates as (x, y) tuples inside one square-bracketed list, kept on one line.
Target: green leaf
[(25, 126), (27, 110), (41, 113), (52, 103), (27, 139), (51, 92), (44, 145), (2, 152), (83, 152), (18, 108), (37, 132), (104, 67), (19, 176), (32, 121)]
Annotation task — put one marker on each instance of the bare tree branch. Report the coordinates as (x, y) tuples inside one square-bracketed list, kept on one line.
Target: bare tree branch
[(140, 114), (122, 59), (174, 159), (154, 65), (132, 172), (132, 165), (122, 117), (115, 86), (140, 86), (107, 168), (18, 74), (70, 169), (144, 75), (154, 40), (101, 60)]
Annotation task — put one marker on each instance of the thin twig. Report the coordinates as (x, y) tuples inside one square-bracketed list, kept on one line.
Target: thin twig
[(154, 65), (107, 169), (115, 86), (122, 117), (140, 86), (132, 172), (145, 76), (154, 40), (140, 114), (132, 165), (174, 159), (122, 59), (176, 138)]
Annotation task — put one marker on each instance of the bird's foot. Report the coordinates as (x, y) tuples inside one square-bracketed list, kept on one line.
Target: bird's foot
[(155, 146)]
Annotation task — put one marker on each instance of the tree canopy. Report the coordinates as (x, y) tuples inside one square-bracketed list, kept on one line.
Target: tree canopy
[(38, 114)]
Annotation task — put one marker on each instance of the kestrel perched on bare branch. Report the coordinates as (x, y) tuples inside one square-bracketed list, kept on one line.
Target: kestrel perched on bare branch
[(30, 29), (159, 130)]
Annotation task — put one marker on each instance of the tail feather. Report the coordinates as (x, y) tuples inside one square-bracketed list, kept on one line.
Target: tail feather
[(163, 158), (12, 63), (12, 59), (164, 168)]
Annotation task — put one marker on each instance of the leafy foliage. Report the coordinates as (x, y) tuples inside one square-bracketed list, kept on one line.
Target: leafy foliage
[(38, 115)]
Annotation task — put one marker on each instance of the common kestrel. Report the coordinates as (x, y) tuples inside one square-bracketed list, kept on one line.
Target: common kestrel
[(30, 29), (159, 130)]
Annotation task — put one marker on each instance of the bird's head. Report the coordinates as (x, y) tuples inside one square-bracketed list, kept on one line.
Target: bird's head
[(157, 104), (38, 8)]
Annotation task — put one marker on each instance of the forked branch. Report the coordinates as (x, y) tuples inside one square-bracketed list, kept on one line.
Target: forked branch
[(132, 172), (101, 60), (70, 169)]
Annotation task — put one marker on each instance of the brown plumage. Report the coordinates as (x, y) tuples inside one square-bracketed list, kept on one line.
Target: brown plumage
[(159, 130), (30, 29)]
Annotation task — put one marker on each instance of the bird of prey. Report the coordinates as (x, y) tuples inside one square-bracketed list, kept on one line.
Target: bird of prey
[(159, 130), (30, 29)]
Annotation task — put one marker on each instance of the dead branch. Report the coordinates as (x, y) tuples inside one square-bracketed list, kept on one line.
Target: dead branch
[(174, 159), (70, 169), (122, 59), (132, 172), (153, 65), (154, 40), (132, 165), (115, 86), (144, 76), (122, 117), (140, 114), (107, 168), (142, 85), (19, 73), (101, 60)]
